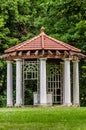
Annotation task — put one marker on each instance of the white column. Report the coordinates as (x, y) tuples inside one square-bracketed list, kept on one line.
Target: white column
[(9, 84), (76, 83), (43, 92), (66, 83), (19, 96)]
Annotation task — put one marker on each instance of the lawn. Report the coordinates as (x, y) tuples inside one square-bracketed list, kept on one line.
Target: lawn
[(43, 118)]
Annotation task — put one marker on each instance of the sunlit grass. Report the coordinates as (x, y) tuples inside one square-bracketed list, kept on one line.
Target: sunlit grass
[(43, 118)]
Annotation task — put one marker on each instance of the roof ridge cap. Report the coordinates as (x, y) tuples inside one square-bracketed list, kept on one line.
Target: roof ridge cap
[(42, 34), (42, 41)]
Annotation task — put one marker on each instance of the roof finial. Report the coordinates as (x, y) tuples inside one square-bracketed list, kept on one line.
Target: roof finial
[(42, 29)]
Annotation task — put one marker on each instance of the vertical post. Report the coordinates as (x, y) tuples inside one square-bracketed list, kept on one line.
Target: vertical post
[(19, 97), (9, 84), (61, 78), (43, 92), (66, 83), (76, 83), (23, 86)]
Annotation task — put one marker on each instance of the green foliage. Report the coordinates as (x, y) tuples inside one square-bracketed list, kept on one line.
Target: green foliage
[(30, 87), (3, 100)]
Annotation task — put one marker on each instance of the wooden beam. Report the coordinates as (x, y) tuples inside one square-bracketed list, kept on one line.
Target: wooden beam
[(43, 52), (6, 55), (74, 53), (66, 53), (3, 56), (36, 52), (13, 53), (58, 53), (28, 53), (20, 53), (50, 52)]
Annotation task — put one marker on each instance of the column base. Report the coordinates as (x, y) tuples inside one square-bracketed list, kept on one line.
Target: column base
[(76, 104), (43, 104), (67, 104), (18, 105), (9, 105)]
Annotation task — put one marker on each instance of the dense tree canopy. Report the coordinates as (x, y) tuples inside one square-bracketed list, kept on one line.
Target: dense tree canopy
[(63, 19)]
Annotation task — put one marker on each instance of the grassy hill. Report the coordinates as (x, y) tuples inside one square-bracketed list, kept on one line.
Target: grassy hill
[(43, 118)]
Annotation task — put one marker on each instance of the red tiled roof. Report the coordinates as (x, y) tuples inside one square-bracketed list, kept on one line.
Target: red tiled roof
[(42, 42)]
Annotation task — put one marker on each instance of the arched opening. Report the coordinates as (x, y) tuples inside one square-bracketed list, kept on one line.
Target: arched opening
[(55, 81)]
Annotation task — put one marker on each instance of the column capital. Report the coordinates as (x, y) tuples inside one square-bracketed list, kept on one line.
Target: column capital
[(9, 61), (18, 59), (43, 58), (67, 59), (75, 61)]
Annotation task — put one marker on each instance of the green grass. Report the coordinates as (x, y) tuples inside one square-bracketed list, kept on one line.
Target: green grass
[(43, 118)]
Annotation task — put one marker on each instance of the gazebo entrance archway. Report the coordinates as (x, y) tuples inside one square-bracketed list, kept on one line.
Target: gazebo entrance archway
[(30, 80)]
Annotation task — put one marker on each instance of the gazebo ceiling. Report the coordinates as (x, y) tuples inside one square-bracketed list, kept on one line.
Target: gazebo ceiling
[(41, 46)]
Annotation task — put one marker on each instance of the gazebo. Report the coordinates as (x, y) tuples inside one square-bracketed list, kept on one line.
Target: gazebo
[(47, 61)]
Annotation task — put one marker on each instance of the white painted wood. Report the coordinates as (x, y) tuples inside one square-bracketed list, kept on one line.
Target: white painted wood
[(43, 92), (9, 84), (66, 83), (19, 97), (76, 83)]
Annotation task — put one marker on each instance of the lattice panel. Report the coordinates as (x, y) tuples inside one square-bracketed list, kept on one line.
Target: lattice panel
[(54, 82), (30, 70)]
